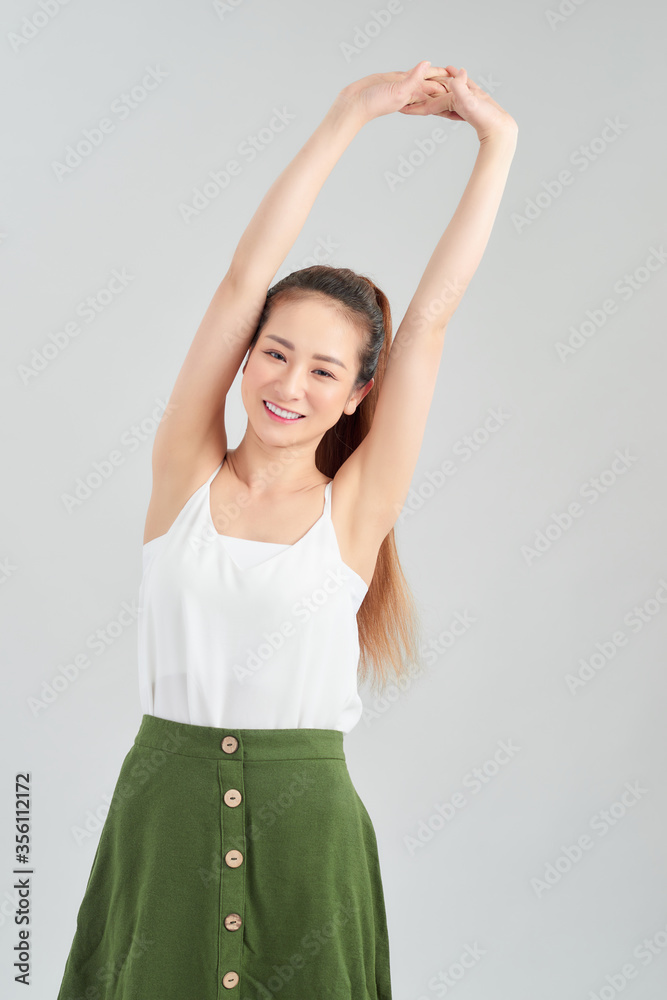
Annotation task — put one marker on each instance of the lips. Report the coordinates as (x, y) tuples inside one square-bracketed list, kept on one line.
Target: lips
[(297, 416)]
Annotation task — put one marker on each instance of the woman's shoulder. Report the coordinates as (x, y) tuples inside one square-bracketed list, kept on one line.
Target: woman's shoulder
[(172, 487)]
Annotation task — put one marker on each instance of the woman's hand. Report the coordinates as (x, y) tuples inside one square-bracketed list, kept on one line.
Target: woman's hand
[(381, 93), (464, 100)]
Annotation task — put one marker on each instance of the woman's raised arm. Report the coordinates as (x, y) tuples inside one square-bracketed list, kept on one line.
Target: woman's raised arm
[(380, 470), (191, 435), (278, 221)]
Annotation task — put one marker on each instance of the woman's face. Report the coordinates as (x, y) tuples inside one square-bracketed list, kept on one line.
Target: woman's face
[(304, 361)]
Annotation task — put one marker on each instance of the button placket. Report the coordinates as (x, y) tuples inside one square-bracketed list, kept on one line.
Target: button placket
[(233, 864)]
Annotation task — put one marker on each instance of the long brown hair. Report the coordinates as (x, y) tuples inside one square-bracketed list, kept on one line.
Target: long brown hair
[(388, 620)]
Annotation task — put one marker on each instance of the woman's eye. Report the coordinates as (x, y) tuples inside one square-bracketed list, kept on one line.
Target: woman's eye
[(328, 374)]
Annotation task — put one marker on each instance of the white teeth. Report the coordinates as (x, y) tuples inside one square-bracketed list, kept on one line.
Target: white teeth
[(282, 413)]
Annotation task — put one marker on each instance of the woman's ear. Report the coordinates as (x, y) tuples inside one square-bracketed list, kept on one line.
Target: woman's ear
[(366, 389), (245, 363)]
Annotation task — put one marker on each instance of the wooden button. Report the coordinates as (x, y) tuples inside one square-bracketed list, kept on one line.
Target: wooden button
[(233, 859), (229, 744), (230, 979), (233, 921), (232, 797)]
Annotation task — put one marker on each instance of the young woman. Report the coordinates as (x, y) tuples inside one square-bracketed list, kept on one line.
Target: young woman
[(237, 858)]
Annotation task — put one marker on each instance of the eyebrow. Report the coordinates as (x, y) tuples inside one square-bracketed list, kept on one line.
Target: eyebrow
[(317, 357)]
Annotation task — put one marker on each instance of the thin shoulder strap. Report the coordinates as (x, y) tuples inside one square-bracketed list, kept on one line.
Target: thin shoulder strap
[(213, 474), (327, 498)]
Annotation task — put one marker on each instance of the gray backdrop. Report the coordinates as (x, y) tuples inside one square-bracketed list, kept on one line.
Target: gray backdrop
[(517, 784)]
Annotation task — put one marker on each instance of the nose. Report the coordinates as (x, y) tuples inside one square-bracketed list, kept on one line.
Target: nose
[(290, 385)]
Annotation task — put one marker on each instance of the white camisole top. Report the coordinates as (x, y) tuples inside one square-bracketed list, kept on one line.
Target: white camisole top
[(243, 634)]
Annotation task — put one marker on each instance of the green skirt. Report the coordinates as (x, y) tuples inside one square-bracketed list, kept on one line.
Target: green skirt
[(233, 863)]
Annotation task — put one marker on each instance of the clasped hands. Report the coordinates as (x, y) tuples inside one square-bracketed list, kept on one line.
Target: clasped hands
[(444, 91)]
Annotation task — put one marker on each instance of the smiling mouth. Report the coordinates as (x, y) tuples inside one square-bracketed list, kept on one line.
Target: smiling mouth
[(280, 411)]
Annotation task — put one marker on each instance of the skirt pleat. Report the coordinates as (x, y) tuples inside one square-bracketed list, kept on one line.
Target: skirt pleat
[(233, 863)]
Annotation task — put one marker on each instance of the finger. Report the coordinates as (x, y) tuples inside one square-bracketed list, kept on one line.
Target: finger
[(413, 109), (419, 109), (441, 78), (475, 87), (433, 88), (438, 90), (415, 86), (436, 71), (459, 83), (432, 105), (419, 96), (420, 88), (421, 67)]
